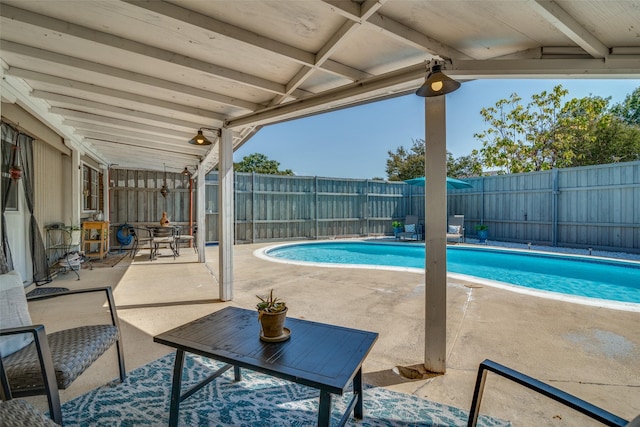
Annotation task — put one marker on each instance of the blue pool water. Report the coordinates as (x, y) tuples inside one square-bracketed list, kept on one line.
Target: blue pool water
[(580, 276)]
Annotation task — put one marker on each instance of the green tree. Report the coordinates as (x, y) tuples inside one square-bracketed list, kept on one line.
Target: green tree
[(523, 139), (406, 164), (464, 166), (629, 109), (549, 133), (409, 163), (259, 163)]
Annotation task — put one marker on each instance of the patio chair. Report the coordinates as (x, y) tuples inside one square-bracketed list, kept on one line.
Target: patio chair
[(562, 397), (34, 363), (18, 413), (141, 238), (455, 228), (164, 236), (191, 238), (412, 229)]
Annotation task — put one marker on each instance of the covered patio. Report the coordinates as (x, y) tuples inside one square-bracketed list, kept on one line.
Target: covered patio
[(128, 84)]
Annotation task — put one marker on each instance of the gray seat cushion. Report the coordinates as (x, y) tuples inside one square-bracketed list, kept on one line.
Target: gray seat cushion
[(20, 413), (72, 351)]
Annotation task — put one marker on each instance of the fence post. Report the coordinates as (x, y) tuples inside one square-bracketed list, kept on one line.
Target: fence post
[(554, 207), (315, 192), (253, 207), (482, 206), (366, 206)]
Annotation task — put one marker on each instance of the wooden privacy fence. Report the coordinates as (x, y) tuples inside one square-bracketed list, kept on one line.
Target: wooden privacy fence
[(597, 206), (272, 207), (136, 198), (591, 206)]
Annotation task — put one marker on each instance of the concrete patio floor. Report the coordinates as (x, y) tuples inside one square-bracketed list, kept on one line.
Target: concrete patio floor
[(591, 352)]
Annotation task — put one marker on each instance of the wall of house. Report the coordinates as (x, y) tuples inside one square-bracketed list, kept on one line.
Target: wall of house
[(51, 185)]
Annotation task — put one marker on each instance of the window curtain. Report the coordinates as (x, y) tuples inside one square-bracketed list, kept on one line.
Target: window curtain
[(38, 254), (8, 134)]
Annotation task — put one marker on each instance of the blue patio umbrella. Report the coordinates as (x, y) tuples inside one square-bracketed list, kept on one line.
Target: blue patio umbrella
[(451, 182)]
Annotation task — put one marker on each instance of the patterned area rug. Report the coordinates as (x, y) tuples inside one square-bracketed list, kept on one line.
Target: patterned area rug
[(257, 400)]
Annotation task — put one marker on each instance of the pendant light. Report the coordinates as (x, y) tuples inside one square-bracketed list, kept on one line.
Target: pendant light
[(437, 83), (164, 190), (200, 139)]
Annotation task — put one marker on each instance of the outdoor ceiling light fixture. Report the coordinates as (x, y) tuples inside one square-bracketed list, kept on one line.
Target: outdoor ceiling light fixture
[(164, 190), (437, 82), (200, 139)]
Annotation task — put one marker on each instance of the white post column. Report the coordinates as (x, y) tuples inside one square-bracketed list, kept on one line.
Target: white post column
[(435, 235), (105, 193), (201, 216), (225, 217), (76, 187)]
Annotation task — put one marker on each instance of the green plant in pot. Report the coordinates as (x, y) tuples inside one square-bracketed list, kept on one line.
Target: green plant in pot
[(398, 227), (272, 313), (483, 232)]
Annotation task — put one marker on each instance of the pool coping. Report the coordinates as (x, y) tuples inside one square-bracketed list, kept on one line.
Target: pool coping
[(594, 302)]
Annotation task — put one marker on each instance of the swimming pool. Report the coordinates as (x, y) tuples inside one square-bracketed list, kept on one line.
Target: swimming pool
[(560, 274)]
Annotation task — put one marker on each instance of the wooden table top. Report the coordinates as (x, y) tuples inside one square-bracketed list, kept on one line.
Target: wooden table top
[(317, 354)]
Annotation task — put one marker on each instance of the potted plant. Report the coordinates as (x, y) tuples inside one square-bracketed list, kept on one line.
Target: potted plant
[(15, 172), (272, 313), (483, 232), (398, 227)]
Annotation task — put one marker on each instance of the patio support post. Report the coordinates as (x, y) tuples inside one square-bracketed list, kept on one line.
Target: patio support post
[(105, 193), (76, 187), (225, 217), (201, 214), (435, 235)]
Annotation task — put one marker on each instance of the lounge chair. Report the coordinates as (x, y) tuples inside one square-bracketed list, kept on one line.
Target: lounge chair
[(412, 229), (33, 362), (562, 397), (455, 228)]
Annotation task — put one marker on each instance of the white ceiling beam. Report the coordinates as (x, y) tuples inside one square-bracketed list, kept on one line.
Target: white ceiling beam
[(114, 147), (625, 66), (117, 95), (321, 57), (248, 37), (99, 108), (129, 76), (18, 89), (571, 28), (303, 106), (395, 30), (327, 50), (154, 158), (138, 48), (123, 124), (151, 142), (83, 127)]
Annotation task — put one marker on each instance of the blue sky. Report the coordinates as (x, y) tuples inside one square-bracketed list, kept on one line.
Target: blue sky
[(354, 142)]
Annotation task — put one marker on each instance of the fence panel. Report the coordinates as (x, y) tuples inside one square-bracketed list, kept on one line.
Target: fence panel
[(596, 206)]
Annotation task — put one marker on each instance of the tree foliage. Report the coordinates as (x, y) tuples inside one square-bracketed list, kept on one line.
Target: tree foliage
[(550, 133), (546, 133), (260, 163), (405, 163)]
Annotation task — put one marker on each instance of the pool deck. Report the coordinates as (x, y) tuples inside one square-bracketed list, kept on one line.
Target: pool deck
[(591, 352)]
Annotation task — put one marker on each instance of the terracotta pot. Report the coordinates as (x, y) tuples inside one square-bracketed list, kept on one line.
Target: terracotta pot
[(272, 324), (15, 172)]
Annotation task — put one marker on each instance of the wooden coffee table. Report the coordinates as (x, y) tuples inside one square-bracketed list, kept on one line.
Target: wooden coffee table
[(317, 355)]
